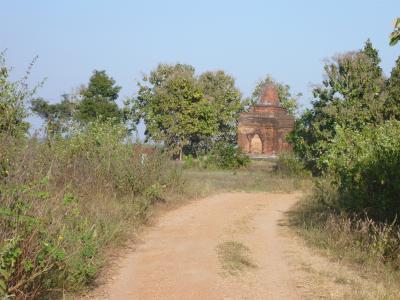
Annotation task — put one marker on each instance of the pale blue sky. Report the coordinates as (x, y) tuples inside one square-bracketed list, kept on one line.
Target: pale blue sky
[(248, 39)]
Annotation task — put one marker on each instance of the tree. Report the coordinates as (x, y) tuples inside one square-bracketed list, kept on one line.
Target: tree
[(13, 98), (174, 107), (392, 104), (57, 115), (226, 100), (395, 35), (351, 96), (287, 100), (98, 99), (188, 113)]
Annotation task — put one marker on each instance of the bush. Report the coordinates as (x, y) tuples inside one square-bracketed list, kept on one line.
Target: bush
[(353, 236), (290, 165), (366, 168), (63, 203), (13, 97), (227, 156)]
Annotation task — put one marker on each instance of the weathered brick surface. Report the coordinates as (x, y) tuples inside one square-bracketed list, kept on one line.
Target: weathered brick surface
[(262, 130)]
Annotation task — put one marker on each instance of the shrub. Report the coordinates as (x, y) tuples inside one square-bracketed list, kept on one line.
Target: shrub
[(290, 165), (353, 236), (189, 161), (366, 167), (63, 203), (13, 97), (227, 156)]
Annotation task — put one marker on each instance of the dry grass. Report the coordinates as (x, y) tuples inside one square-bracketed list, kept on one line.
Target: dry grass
[(234, 257), (368, 253), (258, 177), (62, 206)]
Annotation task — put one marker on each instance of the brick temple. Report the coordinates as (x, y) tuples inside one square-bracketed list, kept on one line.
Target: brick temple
[(262, 130)]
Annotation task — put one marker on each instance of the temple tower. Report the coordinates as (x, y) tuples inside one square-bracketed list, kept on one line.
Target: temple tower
[(262, 130)]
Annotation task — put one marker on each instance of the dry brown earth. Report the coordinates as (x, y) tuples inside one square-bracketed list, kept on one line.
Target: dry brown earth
[(178, 258)]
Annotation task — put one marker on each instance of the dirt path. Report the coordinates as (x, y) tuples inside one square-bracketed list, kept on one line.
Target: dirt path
[(179, 257)]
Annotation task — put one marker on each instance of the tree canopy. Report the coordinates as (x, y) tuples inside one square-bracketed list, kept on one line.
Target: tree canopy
[(94, 102), (352, 95), (98, 99), (57, 115), (392, 103), (187, 111)]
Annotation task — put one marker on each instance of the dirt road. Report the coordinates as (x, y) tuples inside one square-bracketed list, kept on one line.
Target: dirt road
[(179, 256)]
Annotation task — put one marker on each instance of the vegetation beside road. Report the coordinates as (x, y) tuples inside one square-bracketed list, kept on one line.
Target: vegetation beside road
[(83, 187), (349, 139)]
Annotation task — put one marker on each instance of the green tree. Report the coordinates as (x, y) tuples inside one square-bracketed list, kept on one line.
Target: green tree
[(174, 107), (14, 95), (395, 35), (392, 104), (365, 167), (57, 116), (351, 96), (98, 99), (226, 100), (287, 100)]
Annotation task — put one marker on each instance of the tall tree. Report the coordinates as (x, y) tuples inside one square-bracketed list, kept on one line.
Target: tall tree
[(174, 107), (392, 104), (288, 101), (98, 99), (226, 100), (351, 96)]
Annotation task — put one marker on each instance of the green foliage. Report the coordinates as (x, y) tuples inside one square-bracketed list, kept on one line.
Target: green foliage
[(98, 99), (29, 248), (184, 111), (351, 96), (392, 103), (395, 35), (290, 165), (365, 165), (227, 156), (287, 100), (13, 97), (57, 116), (61, 206), (189, 161), (220, 90)]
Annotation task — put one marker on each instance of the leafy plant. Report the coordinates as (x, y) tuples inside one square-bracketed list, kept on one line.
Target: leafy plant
[(365, 165), (13, 98), (290, 165), (227, 156), (352, 96), (61, 206), (188, 114), (395, 35)]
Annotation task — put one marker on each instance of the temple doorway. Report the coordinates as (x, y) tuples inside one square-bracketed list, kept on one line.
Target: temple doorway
[(256, 145)]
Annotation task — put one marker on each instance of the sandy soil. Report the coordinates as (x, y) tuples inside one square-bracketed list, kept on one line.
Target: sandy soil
[(178, 256)]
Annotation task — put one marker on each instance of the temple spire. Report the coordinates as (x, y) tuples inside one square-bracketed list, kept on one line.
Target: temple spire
[(269, 95)]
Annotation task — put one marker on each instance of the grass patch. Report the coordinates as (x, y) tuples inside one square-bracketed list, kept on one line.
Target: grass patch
[(234, 257), (371, 249), (258, 177)]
